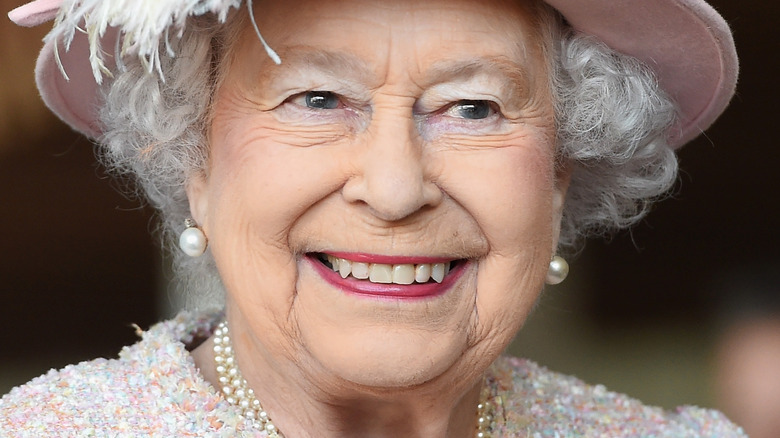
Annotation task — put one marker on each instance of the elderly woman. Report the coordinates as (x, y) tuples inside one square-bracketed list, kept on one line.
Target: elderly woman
[(375, 192)]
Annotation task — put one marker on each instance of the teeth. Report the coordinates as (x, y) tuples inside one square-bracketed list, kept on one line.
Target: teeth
[(403, 274), (360, 270), (384, 273), (437, 272), (422, 273), (380, 273), (334, 261), (345, 267)]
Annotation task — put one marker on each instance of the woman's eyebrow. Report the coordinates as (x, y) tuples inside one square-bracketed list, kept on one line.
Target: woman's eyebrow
[(513, 76), (337, 64)]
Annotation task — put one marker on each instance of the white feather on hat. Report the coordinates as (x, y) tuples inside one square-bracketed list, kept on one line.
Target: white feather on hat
[(143, 23)]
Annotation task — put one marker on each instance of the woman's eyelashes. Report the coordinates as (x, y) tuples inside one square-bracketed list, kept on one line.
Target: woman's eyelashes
[(321, 107), (317, 100), (463, 109), (471, 109)]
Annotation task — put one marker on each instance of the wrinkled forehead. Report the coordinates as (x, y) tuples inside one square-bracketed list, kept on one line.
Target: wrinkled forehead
[(360, 34)]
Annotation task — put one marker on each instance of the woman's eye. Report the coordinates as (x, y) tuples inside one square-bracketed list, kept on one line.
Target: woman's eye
[(319, 107), (319, 100), (471, 109)]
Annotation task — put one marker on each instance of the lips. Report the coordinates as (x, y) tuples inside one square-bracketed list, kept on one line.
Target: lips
[(388, 276)]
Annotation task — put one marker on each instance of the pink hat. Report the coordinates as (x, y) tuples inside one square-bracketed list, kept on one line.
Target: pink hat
[(686, 43)]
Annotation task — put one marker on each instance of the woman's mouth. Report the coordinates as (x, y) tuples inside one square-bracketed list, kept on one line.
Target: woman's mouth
[(388, 276), (385, 273)]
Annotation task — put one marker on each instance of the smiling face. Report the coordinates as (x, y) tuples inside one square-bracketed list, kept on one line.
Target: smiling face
[(382, 206)]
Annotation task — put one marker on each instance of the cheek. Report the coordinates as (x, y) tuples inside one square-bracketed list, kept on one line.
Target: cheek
[(508, 190), (273, 175), (258, 188)]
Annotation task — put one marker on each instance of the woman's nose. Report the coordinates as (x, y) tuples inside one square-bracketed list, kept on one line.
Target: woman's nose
[(392, 180)]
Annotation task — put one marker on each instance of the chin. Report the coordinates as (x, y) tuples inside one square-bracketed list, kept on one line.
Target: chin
[(390, 359), (393, 336)]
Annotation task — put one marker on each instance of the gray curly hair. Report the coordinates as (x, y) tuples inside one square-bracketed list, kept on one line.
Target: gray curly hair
[(611, 115)]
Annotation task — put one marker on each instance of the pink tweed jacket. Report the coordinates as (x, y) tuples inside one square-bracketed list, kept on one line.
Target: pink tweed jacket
[(154, 390)]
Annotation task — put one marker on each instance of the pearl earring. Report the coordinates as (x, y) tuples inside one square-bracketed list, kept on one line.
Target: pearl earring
[(192, 240), (558, 270)]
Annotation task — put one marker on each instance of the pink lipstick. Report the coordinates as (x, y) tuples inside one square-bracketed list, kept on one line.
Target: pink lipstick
[(384, 288)]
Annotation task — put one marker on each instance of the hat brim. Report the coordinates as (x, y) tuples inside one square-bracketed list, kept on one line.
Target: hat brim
[(76, 99), (685, 42)]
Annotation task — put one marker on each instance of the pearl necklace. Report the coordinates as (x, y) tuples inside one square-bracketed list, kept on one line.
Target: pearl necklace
[(238, 393)]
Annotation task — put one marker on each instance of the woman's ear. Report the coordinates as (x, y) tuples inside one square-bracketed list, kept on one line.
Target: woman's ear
[(562, 180), (197, 195)]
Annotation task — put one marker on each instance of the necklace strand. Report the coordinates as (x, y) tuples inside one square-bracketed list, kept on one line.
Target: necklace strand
[(238, 393), (234, 386)]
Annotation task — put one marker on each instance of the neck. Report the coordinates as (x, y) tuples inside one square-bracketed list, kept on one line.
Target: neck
[(302, 405)]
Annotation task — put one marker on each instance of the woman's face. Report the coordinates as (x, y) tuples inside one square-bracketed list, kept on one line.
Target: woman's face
[(410, 142)]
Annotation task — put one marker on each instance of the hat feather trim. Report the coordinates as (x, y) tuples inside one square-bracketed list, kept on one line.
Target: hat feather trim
[(141, 23)]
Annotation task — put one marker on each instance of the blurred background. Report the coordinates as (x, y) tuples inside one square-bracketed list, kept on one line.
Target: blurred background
[(680, 310)]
